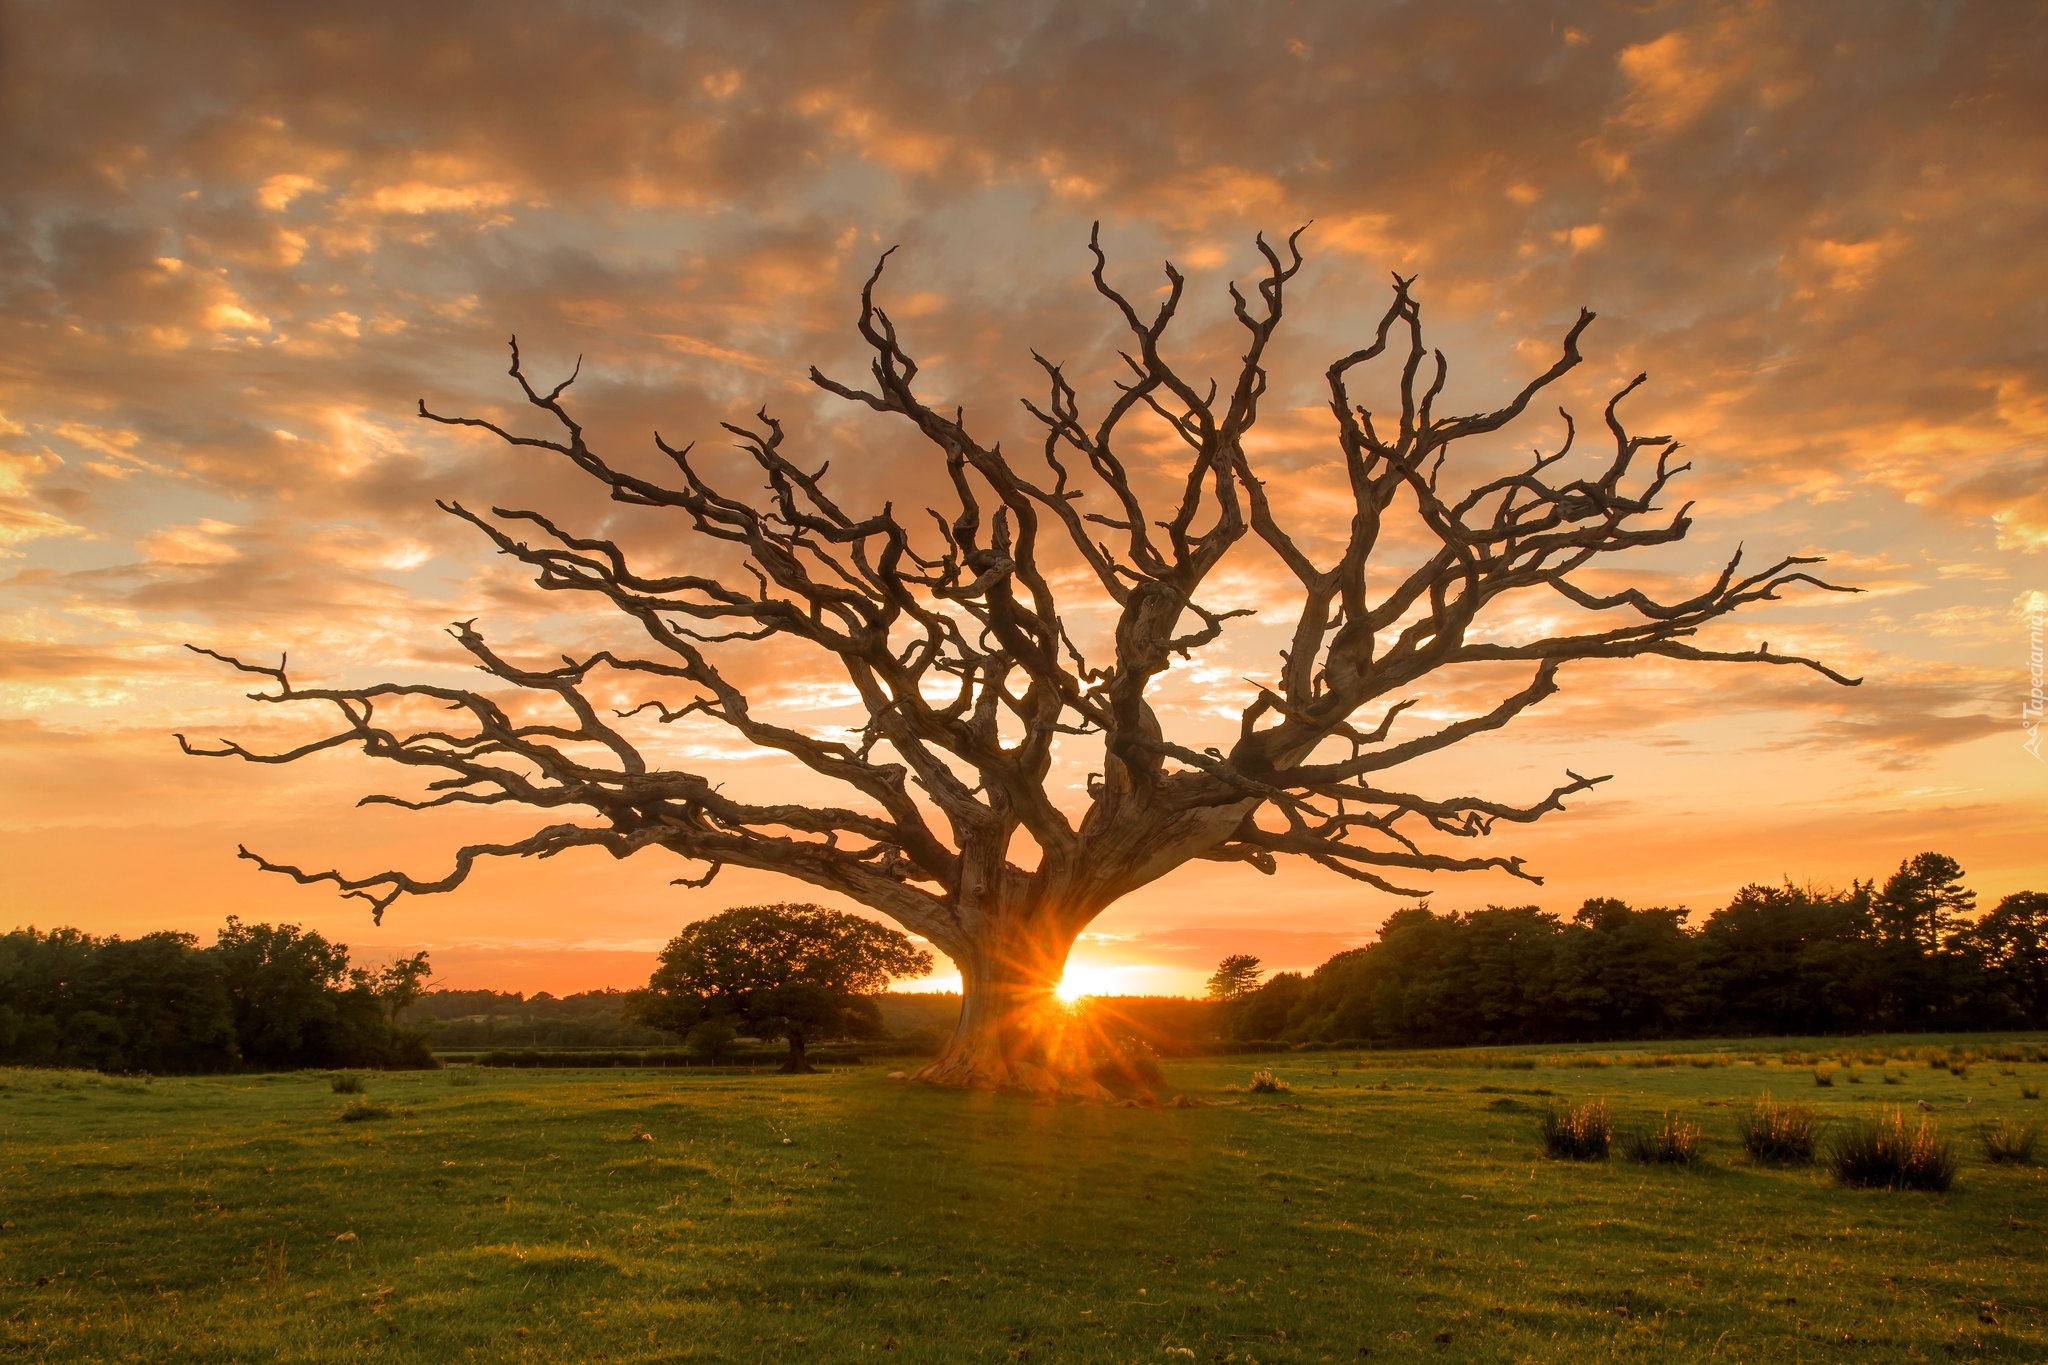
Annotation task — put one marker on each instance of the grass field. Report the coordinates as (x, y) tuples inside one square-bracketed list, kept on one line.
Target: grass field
[(1391, 1206)]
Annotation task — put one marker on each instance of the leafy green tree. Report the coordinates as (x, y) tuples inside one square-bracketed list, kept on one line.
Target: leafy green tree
[(2012, 941), (1234, 976), (38, 973), (283, 983), (779, 971), (152, 1004), (401, 983), (1623, 972), (1272, 1009), (297, 1003), (1925, 903), (1791, 959), (711, 1039), (165, 1002)]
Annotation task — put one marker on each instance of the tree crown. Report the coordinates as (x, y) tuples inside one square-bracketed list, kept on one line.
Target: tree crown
[(956, 631)]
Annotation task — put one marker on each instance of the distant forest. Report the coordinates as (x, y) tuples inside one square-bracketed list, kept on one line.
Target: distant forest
[(268, 996), (1911, 955)]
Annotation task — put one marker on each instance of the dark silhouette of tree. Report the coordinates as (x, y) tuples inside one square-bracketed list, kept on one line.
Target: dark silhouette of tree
[(263, 995), (282, 982), (154, 1003), (1233, 976), (962, 638), (778, 971), (1624, 973), (1925, 903), (1790, 959), (399, 984), (2011, 941)]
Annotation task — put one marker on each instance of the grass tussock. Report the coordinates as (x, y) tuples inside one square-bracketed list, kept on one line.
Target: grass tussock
[(364, 1110), (1673, 1142), (1577, 1132), (345, 1084), (1824, 1074), (1779, 1134), (1264, 1082), (1889, 1153), (2010, 1144), (2029, 1091)]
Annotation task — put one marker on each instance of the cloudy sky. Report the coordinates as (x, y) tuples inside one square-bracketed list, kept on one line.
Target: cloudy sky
[(239, 242)]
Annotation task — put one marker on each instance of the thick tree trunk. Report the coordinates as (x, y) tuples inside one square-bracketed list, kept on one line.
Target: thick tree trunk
[(1014, 1031), (796, 1065)]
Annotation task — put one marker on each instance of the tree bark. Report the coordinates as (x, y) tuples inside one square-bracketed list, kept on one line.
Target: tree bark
[(796, 1065), (1015, 1033)]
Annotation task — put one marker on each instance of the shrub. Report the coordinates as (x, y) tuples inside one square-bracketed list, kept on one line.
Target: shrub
[(1672, 1142), (1130, 1068), (1578, 1132), (1959, 1069), (1781, 1134), (1823, 1074), (345, 1085), (1884, 1153), (1266, 1083), (2010, 1144), (365, 1109), (2029, 1091)]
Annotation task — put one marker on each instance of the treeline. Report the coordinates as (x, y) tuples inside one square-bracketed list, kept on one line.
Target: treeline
[(265, 996), (511, 1019), (1908, 956)]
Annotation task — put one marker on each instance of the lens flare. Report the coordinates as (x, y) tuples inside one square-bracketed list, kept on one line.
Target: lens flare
[(1081, 980)]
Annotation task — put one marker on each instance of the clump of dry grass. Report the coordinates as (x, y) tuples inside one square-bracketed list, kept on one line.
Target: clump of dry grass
[(1824, 1074), (1577, 1132), (1886, 1153), (1266, 1083), (1673, 1142), (2010, 1144), (2029, 1090), (363, 1110), (345, 1084), (1777, 1133)]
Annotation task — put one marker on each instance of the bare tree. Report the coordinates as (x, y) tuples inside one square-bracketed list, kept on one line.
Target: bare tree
[(970, 677)]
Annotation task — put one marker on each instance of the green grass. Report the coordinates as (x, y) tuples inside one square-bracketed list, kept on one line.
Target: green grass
[(1396, 1205)]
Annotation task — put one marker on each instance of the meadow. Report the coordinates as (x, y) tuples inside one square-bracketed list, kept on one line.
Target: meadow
[(1391, 1206)]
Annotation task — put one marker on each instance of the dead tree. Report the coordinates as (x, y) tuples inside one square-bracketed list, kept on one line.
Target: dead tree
[(953, 637)]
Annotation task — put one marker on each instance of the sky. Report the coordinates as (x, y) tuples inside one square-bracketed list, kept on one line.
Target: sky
[(239, 242)]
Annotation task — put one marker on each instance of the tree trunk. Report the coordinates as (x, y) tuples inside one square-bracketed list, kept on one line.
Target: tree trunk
[(1014, 1031), (796, 1065)]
